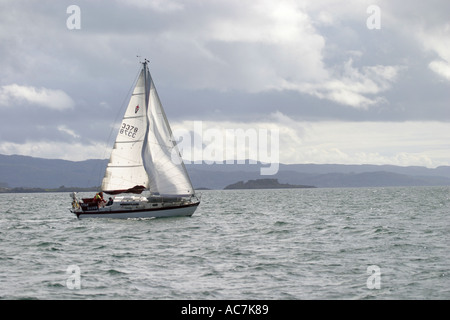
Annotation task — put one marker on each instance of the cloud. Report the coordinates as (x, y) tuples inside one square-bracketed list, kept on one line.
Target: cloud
[(437, 40), (70, 132), (260, 46), (240, 46), (157, 5), (353, 87), (421, 143), (14, 94), (56, 150), (406, 143), (440, 67), (426, 24), (248, 46), (268, 62)]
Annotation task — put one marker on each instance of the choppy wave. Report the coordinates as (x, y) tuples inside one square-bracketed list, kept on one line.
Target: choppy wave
[(246, 244)]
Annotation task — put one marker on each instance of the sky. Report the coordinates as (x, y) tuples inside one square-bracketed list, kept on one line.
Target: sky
[(344, 82)]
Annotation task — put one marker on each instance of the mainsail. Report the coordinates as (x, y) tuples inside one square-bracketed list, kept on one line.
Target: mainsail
[(145, 155)]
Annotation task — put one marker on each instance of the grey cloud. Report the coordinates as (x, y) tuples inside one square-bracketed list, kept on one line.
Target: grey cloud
[(226, 60)]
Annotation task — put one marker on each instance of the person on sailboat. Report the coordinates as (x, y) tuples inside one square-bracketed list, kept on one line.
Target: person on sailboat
[(99, 199), (110, 202)]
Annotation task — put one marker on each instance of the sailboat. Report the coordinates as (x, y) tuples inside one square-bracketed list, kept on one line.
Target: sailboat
[(145, 176)]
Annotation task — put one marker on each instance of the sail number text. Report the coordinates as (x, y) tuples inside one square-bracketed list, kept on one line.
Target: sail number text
[(128, 130)]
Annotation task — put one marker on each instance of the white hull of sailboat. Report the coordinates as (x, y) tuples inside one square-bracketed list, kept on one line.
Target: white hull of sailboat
[(164, 212)]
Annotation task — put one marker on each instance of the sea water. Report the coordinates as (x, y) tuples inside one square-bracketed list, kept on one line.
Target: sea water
[(362, 243)]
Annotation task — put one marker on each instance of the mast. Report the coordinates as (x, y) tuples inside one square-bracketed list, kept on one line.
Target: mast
[(146, 83)]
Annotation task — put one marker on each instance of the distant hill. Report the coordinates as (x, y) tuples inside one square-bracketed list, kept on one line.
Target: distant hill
[(263, 184), (40, 190), (218, 176), (29, 172)]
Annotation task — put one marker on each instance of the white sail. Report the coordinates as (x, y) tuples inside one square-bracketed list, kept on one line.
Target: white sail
[(145, 153), (125, 169), (161, 157)]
